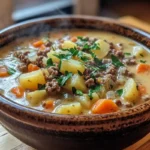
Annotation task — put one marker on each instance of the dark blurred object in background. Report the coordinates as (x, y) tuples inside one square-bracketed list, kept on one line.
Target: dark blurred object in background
[(119, 8), (28, 9)]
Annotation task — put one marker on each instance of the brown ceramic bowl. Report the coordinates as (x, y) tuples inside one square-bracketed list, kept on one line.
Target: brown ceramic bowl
[(46, 131)]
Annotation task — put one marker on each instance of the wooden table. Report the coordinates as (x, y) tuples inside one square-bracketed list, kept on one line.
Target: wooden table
[(9, 142)]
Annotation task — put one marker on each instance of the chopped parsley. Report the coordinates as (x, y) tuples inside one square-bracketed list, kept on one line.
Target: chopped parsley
[(82, 57), (86, 47), (95, 46), (82, 38), (94, 89), (97, 61), (62, 79), (119, 92), (92, 54), (59, 65), (99, 64), (11, 70), (141, 55), (128, 54), (73, 51), (77, 92), (41, 86), (80, 73), (143, 61), (94, 71), (116, 62), (63, 56), (49, 62)]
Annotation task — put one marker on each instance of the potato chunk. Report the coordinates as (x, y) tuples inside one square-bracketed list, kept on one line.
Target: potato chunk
[(89, 56), (130, 92), (73, 108), (54, 58), (36, 97), (84, 100), (104, 49), (32, 79), (68, 44), (76, 81), (71, 66), (138, 51), (52, 54)]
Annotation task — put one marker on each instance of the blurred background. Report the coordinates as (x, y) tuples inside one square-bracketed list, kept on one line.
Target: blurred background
[(14, 11)]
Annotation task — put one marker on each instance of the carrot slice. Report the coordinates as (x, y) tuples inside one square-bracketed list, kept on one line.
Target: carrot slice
[(103, 106), (38, 43), (48, 104), (18, 91), (142, 89), (42, 47), (142, 68), (32, 67), (74, 39), (3, 72)]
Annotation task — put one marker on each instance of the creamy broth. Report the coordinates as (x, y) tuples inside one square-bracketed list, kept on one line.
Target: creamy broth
[(125, 86)]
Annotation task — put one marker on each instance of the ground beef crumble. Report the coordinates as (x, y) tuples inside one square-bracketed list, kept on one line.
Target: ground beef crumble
[(22, 67), (90, 82), (43, 52), (53, 70), (52, 87), (39, 61), (23, 57), (129, 61)]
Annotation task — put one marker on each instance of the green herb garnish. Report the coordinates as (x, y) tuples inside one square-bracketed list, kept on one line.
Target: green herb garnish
[(95, 46), (94, 89), (59, 65), (84, 58), (128, 54), (92, 54), (41, 86), (119, 92), (82, 39), (49, 62), (11, 70), (86, 47), (80, 73), (97, 61), (103, 67), (63, 56), (77, 92), (62, 79), (73, 51), (116, 62), (143, 61), (99, 64), (141, 55)]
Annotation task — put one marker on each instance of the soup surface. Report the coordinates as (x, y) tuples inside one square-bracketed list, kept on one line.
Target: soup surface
[(76, 72)]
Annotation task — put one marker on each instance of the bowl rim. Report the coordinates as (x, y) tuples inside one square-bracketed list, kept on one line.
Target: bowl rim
[(7, 105)]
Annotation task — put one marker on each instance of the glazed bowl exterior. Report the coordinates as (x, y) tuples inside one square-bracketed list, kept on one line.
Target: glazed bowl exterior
[(47, 131)]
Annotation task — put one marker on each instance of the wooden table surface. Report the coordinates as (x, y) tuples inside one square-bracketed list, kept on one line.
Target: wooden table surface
[(9, 142)]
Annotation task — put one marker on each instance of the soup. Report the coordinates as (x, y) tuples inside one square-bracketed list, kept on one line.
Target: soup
[(76, 72)]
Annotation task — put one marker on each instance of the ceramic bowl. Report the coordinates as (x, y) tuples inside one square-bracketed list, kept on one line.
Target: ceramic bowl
[(46, 131)]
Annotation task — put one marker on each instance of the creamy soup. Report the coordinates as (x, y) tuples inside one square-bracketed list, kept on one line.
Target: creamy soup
[(76, 72)]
